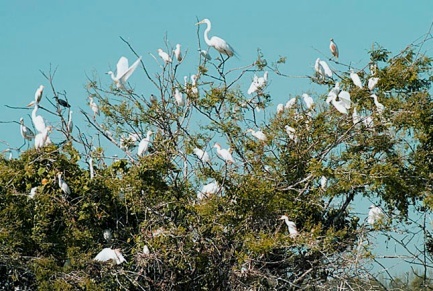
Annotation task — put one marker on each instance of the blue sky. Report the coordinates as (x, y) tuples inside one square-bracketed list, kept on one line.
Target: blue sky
[(81, 38)]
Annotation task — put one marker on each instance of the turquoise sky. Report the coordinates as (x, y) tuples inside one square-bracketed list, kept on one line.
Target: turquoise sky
[(81, 38)]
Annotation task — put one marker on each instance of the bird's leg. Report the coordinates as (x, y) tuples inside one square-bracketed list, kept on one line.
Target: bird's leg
[(222, 62)]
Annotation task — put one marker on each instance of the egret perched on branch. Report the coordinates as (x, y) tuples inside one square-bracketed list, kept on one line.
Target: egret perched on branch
[(372, 82), (355, 78), (62, 184), (42, 139), (26, 132), (343, 103), (258, 83), (291, 133), (290, 103), (123, 71), (108, 254), (322, 68), (224, 154), (280, 108), (208, 190), (94, 107), (205, 54), (217, 43), (334, 49), (38, 96), (309, 102), (375, 215), (144, 144), (323, 182), (32, 193), (379, 106), (177, 53), (178, 97), (38, 121), (290, 225), (258, 134), (202, 155), (164, 56)]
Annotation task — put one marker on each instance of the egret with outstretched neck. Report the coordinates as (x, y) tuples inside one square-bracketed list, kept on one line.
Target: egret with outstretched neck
[(123, 71), (216, 42)]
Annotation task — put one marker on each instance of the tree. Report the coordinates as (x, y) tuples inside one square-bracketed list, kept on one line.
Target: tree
[(229, 237)]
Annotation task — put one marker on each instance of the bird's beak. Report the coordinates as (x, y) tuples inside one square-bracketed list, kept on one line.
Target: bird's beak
[(200, 22)]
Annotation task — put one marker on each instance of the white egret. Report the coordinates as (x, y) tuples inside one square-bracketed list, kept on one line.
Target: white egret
[(322, 68), (92, 172), (334, 49), (38, 96), (368, 122), (224, 154), (26, 132), (144, 144), (217, 43), (258, 134), (258, 83), (290, 103), (202, 155), (280, 108), (372, 82), (379, 106), (62, 184), (164, 56), (33, 192), (309, 102), (291, 133), (146, 250), (123, 71), (339, 105), (194, 88), (178, 53), (205, 54), (375, 215), (38, 121), (178, 97), (290, 225), (355, 117), (323, 182), (42, 139), (70, 123), (107, 235), (355, 78), (208, 190), (93, 106), (108, 254)]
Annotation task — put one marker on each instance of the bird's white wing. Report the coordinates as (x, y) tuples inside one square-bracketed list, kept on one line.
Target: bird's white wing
[(326, 68), (130, 70), (122, 67), (106, 255), (345, 99)]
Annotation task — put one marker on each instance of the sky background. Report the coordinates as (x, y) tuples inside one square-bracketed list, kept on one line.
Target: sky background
[(81, 39)]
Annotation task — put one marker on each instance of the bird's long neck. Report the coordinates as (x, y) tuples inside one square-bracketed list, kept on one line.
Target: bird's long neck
[(206, 35), (35, 110)]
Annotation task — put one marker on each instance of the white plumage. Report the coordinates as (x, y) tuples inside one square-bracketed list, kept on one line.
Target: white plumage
[(202, 155), (123, 71), (178, 53), (164, 56), (355, 78), (62, 184), (208, 190), (224, 154), (216, 42), (258, 83), (26, 132), (375, 215), (144, 144), (291, 226), (108, 254)]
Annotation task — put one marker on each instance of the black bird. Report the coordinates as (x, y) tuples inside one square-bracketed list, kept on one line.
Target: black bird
[(62, 102)]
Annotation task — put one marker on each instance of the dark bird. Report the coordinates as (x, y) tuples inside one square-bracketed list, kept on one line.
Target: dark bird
[(62, 102)]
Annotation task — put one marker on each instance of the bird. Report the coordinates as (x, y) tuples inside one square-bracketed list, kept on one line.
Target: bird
[(205, 54), (146, 250), (355, 117), (334, 49), (343, 103), (93, 106), (144, 144), (177, 53), (70, 123), (322, 68), (290, 103), (323, 182), (217, 43), (372, 82), (291, 133), (62, 102), (92, 172), (290, 225), (38, 121), (258, 83), (355, 78), (208, 190), (33, 192), (258, 134), (178, 97), (164, 56), (26, 132), (280, 108), (194, 88), (42, 139), (38, 96), (107, 235), (309, 102), (62, 184), (379, 106), (123, 71), (375, 215), (108, 254), (202, 155), (224, 154)]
